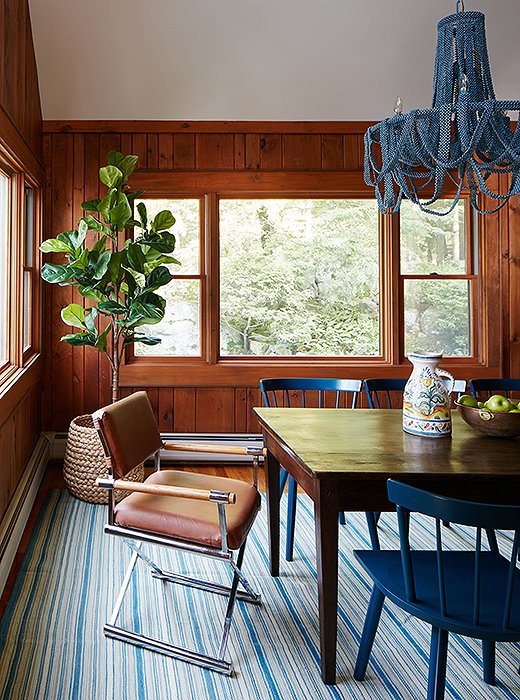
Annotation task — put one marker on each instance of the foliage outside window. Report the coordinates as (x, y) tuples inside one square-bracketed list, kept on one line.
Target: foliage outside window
[(299, 277), (28, 266), (4, 258), (437, 281)]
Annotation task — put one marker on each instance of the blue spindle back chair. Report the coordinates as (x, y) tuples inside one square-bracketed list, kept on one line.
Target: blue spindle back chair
[(292, 392), (484, 388), (472, 593), (384, 393)]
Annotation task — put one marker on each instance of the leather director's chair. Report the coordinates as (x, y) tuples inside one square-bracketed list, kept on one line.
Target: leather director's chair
[(195, 513)]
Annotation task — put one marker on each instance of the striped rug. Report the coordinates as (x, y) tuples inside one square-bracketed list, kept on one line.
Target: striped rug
[(52, 646)]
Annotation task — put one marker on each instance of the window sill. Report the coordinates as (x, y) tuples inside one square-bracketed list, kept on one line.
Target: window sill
[(17, 383)]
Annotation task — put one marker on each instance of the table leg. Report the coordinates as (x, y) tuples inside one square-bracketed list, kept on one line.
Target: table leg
[(326, 526), (273, 512)]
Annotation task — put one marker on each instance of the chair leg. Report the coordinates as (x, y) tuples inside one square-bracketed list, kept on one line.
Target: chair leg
[(369, 632), (372, 519), (488, 657), (437, 668), (284, 474), (291, 519), (341, 517), (492, 540)]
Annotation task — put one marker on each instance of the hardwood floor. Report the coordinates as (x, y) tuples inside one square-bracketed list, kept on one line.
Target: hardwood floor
[(53, 479)]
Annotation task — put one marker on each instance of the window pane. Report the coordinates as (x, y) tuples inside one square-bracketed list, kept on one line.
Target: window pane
[(4, 252), (180, 329), (299, 277), (433, 243), (186, 230), (29, 226), (437, 317), (27, 308)]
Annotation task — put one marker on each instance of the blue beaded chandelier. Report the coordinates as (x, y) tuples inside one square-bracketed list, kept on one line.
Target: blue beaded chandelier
[(465, 137)]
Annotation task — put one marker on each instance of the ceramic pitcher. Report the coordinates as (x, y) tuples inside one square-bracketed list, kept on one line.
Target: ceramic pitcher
[(427, 398)]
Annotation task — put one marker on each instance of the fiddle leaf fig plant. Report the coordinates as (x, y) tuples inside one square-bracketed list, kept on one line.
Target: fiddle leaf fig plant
[(118, 276)]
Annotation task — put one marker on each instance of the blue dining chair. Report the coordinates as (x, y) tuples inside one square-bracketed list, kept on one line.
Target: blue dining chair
[(472, 593), (387, 393), (312, 392), (484, 388)]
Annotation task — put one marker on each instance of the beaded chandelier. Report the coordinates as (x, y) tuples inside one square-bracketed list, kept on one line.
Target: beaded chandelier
[(465, 137)]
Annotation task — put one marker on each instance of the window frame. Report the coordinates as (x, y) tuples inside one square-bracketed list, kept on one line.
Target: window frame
[(211, 369), (18, 357)]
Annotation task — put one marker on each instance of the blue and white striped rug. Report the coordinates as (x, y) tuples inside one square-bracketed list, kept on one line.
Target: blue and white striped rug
[(52, 646)]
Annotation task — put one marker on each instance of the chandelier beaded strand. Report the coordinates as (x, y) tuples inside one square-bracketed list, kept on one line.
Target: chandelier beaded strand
[(465, 137)]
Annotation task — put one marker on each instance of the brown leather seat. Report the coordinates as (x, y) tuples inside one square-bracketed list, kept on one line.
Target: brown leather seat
[(189, 519)]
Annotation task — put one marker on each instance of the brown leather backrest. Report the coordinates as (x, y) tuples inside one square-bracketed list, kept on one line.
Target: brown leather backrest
[(129, 431)]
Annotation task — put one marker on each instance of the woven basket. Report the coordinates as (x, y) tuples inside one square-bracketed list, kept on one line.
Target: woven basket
[(85, 461)]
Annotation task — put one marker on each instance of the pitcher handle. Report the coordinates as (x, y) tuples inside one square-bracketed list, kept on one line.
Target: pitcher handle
[(443, 373)]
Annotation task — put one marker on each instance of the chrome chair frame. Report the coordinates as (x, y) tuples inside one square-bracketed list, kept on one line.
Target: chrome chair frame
[(111, 629)]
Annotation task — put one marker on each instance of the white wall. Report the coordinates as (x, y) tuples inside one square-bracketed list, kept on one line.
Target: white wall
[(251, 59)]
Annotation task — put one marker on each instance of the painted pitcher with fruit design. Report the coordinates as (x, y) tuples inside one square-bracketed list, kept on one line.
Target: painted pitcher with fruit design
[(427, 397)]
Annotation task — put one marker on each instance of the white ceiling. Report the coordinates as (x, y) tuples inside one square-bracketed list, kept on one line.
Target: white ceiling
[(251, 59)]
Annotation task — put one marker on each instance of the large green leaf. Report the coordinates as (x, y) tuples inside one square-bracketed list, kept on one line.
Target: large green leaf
[(101, 342), (81, 262), (90, 292), (101, 265), (121, 213), (54, 245), (78, 339), (137, 276), (112, 307), (164, 243), (126, 164), (133, 195), (158, 278), (96, 225), (143, 215), (74, 315), (57, 274), (115, 267), (147, 309), (111, 176), (145, 339), (90, 321), (162, 221), (91, 205), (135, 256)]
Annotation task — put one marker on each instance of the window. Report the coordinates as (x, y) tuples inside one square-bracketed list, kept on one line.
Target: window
[(284, 274), (180, 331), (439, 289), (5, 218), (299, 277), (28, 266)]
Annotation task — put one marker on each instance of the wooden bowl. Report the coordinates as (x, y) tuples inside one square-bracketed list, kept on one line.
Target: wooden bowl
[(505, 425)]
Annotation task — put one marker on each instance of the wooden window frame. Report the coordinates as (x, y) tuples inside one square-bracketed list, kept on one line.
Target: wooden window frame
[(213, 370), (17, 357)]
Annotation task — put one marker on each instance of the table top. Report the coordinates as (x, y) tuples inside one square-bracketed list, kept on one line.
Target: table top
[(372, 442)]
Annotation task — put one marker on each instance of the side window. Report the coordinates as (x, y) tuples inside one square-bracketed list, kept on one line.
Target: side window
[(181, 329), (5, 228), (439, 287), (28, 266)]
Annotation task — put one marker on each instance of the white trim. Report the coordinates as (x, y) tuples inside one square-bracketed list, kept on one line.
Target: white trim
[(59, 440), (15, 519)]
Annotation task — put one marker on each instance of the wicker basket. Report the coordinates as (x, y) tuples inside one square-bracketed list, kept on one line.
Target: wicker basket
[(85, 461)]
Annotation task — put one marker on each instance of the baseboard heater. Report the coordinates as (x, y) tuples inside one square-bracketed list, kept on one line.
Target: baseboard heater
[(217, 439), (15, 519)]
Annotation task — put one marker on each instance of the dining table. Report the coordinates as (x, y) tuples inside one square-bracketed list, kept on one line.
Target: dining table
[(342, 459)]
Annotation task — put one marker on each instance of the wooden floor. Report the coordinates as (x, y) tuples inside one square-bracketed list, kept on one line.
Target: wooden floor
[(53, 479)]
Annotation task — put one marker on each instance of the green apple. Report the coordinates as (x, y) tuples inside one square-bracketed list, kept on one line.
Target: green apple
[(468, 400), (515, 410), (480, 404), (498, 404)]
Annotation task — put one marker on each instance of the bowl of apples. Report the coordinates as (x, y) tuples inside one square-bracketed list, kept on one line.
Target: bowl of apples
[(498, 416)]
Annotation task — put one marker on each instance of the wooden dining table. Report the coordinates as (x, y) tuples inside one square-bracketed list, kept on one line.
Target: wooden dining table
[(342, 459)]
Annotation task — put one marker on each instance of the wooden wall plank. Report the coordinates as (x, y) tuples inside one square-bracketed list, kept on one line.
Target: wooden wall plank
[(252, 152), (301, 152), (271, 151), (332, 152), (78, 358), (214, 151), (165, 151), (184, 410), (139, 148), (183, 151), (165, 410), (152, 148), (353, 153), (240, 151), (215, 410)]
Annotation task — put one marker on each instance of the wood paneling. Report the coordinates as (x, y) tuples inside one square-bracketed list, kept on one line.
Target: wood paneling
[(236, 155), (21, 137), (19, 95)]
